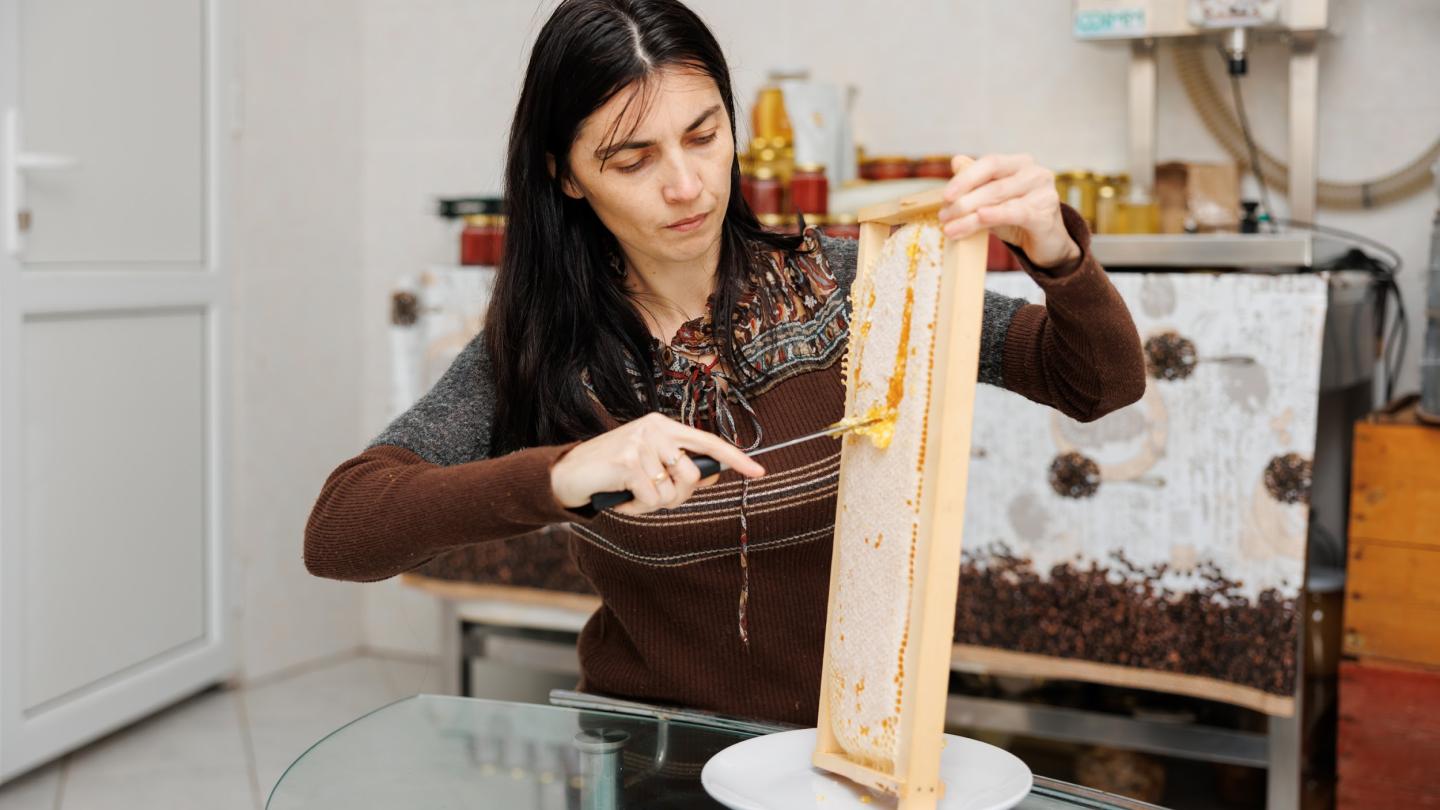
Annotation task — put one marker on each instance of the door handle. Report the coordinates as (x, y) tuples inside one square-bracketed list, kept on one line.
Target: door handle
[(14, 163), (30, 161)]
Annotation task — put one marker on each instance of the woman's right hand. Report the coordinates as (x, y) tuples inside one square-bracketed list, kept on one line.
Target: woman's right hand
[(649, 458)]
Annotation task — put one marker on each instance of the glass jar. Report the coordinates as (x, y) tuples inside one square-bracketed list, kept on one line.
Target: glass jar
[(769, 120), (1107, 210), (767, 195), (999, 256), (1121, 182), (845, 226), (482, 241), (809, 190), (746, 161), (1113, 190), (1139, 213), (784, 166), (888, 167), (1079, 190), (780, 223), (936, 166)]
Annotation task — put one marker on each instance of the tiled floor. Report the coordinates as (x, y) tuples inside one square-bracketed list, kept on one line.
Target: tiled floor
[(222, 749)]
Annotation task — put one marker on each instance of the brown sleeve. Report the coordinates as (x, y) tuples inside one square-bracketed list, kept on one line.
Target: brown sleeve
[(1079, 352), (387, 510)]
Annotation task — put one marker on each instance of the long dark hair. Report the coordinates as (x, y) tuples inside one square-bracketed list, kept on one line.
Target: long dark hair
[(559, 316)]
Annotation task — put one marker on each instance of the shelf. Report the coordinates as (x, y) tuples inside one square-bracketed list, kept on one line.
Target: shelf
[(1195, 251), (1210, 250)]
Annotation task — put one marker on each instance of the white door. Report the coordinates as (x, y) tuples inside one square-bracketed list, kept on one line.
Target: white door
[(113, 366)]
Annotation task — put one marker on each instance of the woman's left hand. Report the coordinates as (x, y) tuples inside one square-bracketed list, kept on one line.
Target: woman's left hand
[(1016, 199)]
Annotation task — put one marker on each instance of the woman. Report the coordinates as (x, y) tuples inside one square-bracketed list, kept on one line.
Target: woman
[(642, 314)]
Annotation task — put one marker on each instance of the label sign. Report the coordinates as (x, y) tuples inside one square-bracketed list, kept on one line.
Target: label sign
[(1109, 22)]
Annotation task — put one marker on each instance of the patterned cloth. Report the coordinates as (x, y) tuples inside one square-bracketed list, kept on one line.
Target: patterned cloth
[(793, 317)]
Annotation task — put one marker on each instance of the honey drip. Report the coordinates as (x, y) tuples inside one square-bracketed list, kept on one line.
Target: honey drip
[(881, 418)]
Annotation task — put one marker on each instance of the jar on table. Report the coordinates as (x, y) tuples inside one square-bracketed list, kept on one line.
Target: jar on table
[(935, 166), (1079, 190), (769, 120), (482, 234), (746, 161), (1107, 210), (785, 165), (887, 167), (999, 257), (460, 207), (482, 241), (843, 226), (767, 195), (1110, 198), (780, 223), (1121, 182), (809, 190), (778, 157), (1139, 213)]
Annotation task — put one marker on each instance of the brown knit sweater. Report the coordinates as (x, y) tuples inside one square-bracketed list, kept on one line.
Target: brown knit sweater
[(667, 631)]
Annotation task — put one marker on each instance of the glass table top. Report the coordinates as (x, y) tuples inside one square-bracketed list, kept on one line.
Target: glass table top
[(431, 752)]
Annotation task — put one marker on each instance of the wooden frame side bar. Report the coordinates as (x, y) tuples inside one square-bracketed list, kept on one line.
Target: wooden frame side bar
[(957, 338)]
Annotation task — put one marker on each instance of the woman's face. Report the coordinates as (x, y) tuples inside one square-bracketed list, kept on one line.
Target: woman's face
[(662, 184)]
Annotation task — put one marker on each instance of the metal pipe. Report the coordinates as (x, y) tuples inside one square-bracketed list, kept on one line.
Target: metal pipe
[(600, 767), (1304, 120), (1219, 120), (1142, 118)]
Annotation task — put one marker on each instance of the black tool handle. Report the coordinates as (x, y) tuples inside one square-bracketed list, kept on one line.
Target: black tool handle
[(609, 500)]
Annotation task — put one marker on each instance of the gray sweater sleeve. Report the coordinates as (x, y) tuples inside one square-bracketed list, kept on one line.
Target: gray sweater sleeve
[(450, 424), (427, 484), (841, 254)]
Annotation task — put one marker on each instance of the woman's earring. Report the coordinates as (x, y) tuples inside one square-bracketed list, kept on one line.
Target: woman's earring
[(617, 266)]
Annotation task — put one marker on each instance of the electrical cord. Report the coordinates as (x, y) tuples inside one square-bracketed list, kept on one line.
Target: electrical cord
[(1359, 240), (1395, 341), (1254, 161), (1414, 178)]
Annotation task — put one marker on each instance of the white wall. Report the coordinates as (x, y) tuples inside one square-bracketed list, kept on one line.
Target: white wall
[(1377, 113), (440, 80), (298, 300)]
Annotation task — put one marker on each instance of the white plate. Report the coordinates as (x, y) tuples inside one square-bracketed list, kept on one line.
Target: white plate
[(773, 772)]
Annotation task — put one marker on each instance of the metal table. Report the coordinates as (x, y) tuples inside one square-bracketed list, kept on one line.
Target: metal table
[(431, 752)]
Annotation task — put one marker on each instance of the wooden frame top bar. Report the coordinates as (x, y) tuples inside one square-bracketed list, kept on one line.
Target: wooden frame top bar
[(905, 209)]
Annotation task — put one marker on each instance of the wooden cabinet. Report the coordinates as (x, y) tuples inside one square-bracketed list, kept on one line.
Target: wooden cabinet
[(1388, 744), (1392, 597), (1389, 738)]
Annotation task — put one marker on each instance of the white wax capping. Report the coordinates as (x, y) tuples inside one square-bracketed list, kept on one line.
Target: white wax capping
[(880, 494)]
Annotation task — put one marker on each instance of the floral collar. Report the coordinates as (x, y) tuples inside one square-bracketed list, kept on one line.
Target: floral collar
[(788, 321)]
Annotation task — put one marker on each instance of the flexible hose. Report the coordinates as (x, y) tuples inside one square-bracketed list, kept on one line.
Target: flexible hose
[(1219, 119)]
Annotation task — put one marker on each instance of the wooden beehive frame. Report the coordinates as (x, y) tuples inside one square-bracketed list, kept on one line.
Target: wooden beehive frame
[(921, 726)]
